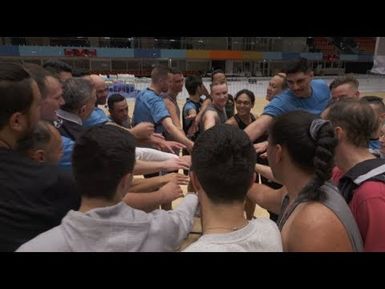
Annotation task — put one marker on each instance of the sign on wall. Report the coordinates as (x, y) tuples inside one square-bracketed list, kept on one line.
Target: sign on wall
[(80, 52)]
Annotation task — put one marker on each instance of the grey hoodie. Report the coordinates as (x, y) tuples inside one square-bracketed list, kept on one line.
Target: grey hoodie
[(118, 228)]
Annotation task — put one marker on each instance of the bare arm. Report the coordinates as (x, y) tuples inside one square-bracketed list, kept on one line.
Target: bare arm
[(265, 171), (177, 133), (209, 119), (261, 147), (205, 91), (191, 114), (160, 143), (148, 167), (151, 201), (152, 184), (232, 121), (205, 104), (142, 131), (267, 197), (195, 125), (173, 113), (258, 127)]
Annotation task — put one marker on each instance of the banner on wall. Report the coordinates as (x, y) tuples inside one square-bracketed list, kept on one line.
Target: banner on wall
[(80, 52), (379, 57)]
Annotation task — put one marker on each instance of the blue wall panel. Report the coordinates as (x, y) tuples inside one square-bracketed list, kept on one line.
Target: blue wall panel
[(114, 52), (290, 55), (272, 55), (41, 51), (147, 53), (311, 56), (348, 57), (173, 53), (9, 50)]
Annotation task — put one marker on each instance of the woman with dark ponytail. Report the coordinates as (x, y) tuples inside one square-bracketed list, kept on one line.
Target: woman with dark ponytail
[(313, 216)]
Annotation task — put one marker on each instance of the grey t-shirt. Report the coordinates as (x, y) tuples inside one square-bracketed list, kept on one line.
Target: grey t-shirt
[(260, 235)]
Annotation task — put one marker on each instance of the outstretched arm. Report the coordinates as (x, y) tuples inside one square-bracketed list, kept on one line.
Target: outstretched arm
[(149, 167), (195, 125), (209, 119), (258, 127), (151, 201), (173, 113), (177, 133), (265, 171), (152, 184), (266, 197)]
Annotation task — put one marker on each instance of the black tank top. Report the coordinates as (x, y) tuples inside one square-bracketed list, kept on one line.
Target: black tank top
[(240, 123)]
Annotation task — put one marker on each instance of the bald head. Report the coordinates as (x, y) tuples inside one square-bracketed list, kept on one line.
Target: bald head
[(101, 89)]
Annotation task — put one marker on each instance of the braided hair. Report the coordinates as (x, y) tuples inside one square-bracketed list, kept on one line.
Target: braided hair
[(311, 143)]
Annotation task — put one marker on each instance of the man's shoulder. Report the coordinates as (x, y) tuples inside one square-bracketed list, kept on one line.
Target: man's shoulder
[(188, 106), (319, 84), (371, 189), (48, 241)]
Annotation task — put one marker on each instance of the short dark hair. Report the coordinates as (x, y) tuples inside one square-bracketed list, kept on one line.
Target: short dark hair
[(223, 160), (99, 163), (216, 71), (15, 90), (300, 65), (158, 73), (40, 75), (356, 118), (192, 83), (40, 138), (376, 100), (344, 80), (114, 98), (79, 72), (175, 71), (57, 66), (249, 93)]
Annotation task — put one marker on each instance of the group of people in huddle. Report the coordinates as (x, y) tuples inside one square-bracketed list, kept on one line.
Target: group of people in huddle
[(314, 159)]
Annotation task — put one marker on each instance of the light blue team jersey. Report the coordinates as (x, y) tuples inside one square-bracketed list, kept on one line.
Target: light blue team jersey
[(287, 101), (149, 107), (96, 117), (374, 144), (65, 162)]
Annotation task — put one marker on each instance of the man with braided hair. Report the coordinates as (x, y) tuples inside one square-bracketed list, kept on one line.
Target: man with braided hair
[(313, 216)]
